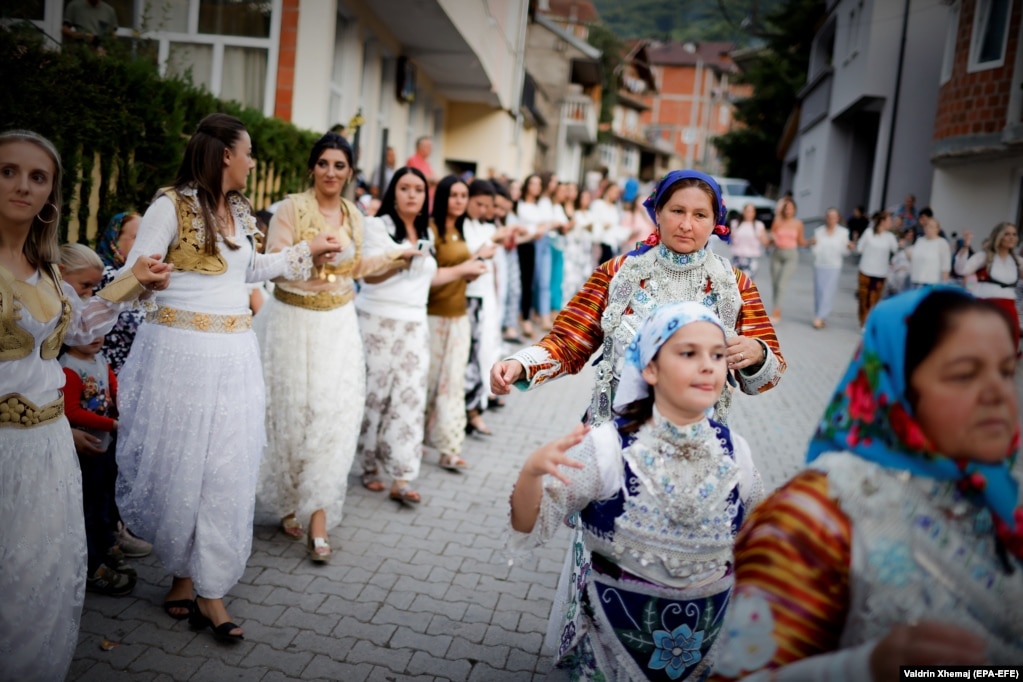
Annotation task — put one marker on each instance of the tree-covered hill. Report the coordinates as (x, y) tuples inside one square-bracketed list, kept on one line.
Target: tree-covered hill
[(685, 20)]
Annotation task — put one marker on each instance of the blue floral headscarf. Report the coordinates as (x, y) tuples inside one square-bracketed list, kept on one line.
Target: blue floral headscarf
[(106, 245), (650, 204), (656, 329), (870, 415)]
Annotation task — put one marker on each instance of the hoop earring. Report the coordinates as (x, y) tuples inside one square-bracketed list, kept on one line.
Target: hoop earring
[(56, 213)]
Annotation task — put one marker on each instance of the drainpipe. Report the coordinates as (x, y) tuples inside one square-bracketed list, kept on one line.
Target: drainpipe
[(895, 106)]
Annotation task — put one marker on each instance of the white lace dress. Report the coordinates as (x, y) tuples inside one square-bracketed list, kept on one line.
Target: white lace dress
[(192, 430), (42, 531)]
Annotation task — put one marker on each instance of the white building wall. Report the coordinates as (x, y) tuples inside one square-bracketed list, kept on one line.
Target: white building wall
[(314, 62), (977, 196)]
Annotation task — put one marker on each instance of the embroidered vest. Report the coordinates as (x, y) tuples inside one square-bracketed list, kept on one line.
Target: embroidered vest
[(984, 275), (645, 281), (188, 253), (309, 222), (17, 343)]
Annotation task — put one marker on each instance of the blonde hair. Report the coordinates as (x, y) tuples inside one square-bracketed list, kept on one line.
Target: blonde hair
[(77, 257), (41, 247)]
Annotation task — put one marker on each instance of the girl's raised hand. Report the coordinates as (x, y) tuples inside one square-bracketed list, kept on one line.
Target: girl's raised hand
[(550, 456)]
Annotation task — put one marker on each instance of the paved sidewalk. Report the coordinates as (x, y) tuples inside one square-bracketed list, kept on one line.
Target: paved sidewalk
[(427, 593)]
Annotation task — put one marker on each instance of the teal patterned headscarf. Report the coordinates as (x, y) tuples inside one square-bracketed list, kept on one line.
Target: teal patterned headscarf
[(106, 245), (870, 415)]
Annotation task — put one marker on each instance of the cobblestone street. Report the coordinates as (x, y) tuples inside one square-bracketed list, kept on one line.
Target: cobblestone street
[(428, 593)]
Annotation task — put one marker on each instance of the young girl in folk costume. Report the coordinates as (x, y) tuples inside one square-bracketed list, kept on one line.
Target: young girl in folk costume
[(112, 246), (192, 431), (42, 532), (661, 493), (312, 353), (902, 545)]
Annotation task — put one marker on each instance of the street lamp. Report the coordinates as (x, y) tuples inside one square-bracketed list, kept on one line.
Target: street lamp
[(692, 129)]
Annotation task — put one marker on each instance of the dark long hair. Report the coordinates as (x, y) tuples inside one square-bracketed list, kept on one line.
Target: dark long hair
[(388, 207), (877, 219), (332, 140), (525, 187), (202, 169), (440, 206)]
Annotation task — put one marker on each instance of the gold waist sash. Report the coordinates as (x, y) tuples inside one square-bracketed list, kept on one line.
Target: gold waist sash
[(17, 410), (200, 322), (323, 300)]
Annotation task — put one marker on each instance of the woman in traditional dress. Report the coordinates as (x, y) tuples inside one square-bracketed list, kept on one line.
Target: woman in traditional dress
[(997, 268), (42, 528), (902, 544), (675, 265), (661, 494), (312, 352), (191, 399)]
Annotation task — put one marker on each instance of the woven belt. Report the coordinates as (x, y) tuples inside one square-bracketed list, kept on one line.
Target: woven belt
[(17, 410), (200, 322), (323, 300)]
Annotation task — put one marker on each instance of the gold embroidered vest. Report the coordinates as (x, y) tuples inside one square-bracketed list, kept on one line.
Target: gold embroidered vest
[(188, 253), (309, 223), (42, 301)]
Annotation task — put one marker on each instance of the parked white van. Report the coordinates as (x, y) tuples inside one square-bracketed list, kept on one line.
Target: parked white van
[(738, 192)]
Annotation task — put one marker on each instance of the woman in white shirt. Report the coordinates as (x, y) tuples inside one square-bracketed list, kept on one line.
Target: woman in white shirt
[(930, 257), (997, 268), (536, 221), (607, 222), (830, 244), (876, 247), (578, 247), (392, 321)]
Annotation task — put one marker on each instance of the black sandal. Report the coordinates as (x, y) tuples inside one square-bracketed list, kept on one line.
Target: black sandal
[(222, 632), (186, 604)]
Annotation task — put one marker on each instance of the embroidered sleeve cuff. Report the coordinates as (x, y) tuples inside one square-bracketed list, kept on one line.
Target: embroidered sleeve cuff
[(123, 289), (763, 378), (300, 262), (539, 367)]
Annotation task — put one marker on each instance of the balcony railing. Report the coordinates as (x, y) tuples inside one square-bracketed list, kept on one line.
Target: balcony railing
[(579, 116)]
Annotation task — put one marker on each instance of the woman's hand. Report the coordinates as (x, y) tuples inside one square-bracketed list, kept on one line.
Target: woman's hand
[(486, 251), (407, 256), (744, 352), (324, 247), (152, 272), (471, 269), (504, 374), (926, 643)]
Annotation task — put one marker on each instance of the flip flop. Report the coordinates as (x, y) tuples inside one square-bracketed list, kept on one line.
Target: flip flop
[(405, 494)]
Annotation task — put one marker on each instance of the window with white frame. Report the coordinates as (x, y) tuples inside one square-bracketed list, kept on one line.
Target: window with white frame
[(608, 155), (948, 59), (630, 160), (990, 34), (227, 46)]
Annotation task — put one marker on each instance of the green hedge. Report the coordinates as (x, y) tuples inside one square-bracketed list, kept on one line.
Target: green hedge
[(138, 123)]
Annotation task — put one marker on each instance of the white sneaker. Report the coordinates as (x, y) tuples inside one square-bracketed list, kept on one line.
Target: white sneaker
[(130, 545)]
